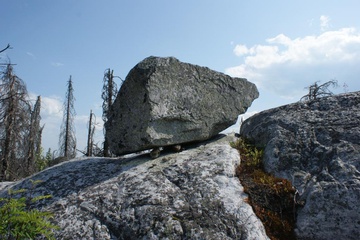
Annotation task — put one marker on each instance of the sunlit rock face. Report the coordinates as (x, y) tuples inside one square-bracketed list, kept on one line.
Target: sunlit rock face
[(317, 147), (193, 194), (165, 102)]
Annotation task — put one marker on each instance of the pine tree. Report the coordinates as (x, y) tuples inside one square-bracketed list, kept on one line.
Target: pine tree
[(108, 95), (15, 113), (67, 139), (49, 156)]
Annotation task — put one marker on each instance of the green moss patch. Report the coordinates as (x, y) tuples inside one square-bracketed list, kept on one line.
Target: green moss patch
[(272, 198)]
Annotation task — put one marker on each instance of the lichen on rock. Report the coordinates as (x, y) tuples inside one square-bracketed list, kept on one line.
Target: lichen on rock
[(316, 146), (165, 102), (193, 194)]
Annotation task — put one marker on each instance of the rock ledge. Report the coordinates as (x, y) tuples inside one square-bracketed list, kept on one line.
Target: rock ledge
[(317, 147), (188, 195)]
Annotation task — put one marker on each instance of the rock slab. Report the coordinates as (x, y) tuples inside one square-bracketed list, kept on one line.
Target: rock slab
[(165, 102), (317, 147), (188, 195)]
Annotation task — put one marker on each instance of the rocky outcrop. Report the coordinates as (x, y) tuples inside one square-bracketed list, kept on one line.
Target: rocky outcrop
[(165, 102), (192, 194), (317, 147)]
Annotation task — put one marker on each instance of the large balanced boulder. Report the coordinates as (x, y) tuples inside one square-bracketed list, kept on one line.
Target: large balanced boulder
[(165, 102), (316, 146), (193, 194)]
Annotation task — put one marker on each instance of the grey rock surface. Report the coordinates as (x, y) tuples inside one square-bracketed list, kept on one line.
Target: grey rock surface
[(317, 147), (4, 185), (166, 102), (192, 194)]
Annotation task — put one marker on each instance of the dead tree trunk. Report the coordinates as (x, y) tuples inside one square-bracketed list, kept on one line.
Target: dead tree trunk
[(90, 142), (14, 125), (67, 139), (108, 95)]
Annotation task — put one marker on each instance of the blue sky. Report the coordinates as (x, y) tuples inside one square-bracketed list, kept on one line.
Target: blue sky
[(282, 46)]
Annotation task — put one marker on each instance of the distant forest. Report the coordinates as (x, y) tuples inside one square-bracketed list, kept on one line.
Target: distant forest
[(21, 153)]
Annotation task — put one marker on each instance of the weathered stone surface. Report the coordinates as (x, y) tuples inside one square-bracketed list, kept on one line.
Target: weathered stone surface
[(317, 147), (3, 185), (165, 102), (188, 195)]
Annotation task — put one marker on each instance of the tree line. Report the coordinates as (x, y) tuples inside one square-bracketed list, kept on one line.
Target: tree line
[(21, 153)]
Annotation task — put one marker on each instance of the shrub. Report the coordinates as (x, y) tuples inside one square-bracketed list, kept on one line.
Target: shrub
[(18, 221), (251, 156)]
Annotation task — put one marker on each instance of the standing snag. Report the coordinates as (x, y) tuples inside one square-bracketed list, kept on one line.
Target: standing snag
[(20, 131), (108, 95), (67, 139), (34, 139), (15, 114), (91, 131)]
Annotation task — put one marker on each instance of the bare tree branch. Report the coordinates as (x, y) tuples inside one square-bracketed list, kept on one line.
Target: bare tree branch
[(316, 91), (7, 47)]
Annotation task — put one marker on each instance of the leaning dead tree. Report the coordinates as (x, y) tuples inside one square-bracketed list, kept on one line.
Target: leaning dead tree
[(67, 139), (15, 114), (108, 95), (317, 91)]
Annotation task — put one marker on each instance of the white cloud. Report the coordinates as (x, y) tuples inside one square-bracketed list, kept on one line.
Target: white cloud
[(262, 56), (285, 65), (236, 127), (31, 55), (324, 22), (81, 119), (82, 130), (240, 50), (52, 117), (52, 106), (57, 64)]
